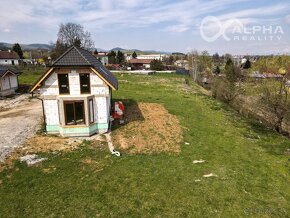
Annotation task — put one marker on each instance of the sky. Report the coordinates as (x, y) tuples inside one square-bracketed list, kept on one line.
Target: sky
[(223, 26)]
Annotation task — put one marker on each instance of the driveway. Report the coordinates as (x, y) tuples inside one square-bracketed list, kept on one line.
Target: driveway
[(18, 121)]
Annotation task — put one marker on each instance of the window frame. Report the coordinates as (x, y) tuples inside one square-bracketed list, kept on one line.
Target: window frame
[(89, 85), (68, 85), (93, 111), (65, 103)]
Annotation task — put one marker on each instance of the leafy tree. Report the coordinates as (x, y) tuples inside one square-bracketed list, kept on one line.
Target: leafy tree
[(171, 60), (96, 52), (230, 71), (112, 57), (74, 34), (58, 49), (156, 65), (204, 62), (217, 70), (120, 57), (216, 58), (134, 55), (17, 48), (247, 64)]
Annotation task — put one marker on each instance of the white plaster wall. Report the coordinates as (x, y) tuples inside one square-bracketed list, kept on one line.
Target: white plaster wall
[(100, 90), (51, 112), (5, 83), (6, 61), (13, 81), (95, 79), (74, 83), (52, 84), (101, 113), (51, 80)]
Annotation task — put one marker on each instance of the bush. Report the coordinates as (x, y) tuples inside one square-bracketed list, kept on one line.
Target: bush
[(225, 90)]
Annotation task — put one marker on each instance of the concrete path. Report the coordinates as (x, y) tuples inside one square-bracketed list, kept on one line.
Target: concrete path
[(17, 123)]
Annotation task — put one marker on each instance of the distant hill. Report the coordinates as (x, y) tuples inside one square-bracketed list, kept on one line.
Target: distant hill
[(138, 51), (34, 46), (42, 46)]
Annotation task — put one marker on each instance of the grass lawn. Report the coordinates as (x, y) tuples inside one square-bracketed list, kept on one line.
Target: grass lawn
[(30, 75), (249, 160)]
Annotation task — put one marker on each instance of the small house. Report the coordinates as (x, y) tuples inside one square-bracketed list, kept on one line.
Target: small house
[(8, 80), (76, 94), (9, 58), (140, 64)]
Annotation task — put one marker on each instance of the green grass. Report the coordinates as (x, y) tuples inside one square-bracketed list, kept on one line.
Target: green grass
[(30, 75), (250, 161)]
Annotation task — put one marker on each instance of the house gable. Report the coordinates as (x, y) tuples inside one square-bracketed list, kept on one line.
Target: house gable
[(50, 86), (76, 58)]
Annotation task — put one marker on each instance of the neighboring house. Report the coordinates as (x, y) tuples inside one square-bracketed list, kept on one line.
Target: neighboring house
[(76, 94), (182, 64), (140, 64), (8, 80), (9, 58), (153, 56), (103, 57)]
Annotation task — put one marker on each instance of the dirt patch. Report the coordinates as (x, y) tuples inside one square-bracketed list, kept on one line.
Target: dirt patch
[(149, 128), (38, 144), (49, 144)]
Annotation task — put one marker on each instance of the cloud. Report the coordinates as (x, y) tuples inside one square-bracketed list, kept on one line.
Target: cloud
[(288, 19), (6, 30), (104, 15)]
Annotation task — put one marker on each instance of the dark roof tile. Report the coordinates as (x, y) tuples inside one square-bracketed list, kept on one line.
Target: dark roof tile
[(80, 57), (4, 69)]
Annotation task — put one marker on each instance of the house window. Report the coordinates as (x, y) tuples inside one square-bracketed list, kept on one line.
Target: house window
[(91, 107), (85, 83), (74, 113), (63, 83)]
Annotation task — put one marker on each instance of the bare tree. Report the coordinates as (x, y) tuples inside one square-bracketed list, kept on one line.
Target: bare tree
[(275, 98), (74, 34)]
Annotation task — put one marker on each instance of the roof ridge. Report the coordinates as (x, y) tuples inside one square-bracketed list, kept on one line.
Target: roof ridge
[(69, 49), (82, 54)]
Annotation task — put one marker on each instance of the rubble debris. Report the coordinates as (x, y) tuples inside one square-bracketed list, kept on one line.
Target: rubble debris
[(198, 161), (31, 159)]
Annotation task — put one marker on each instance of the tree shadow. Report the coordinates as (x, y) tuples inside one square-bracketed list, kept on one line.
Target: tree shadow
[(132, 113)]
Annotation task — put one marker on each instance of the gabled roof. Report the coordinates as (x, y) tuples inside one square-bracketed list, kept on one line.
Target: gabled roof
[(9, 55), (78, 57), (5, 69)]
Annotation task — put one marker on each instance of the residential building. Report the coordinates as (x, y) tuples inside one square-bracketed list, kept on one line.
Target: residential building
[(182, 64), (9, 58), (153, 56), (76, 94), (103, 57), (140, 64)]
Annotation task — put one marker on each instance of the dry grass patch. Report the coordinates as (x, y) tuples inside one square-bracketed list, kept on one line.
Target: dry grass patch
[(149, 128), (43, 144), (50, 143)]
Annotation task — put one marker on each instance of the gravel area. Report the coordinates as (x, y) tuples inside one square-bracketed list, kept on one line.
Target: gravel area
[(19, 119)]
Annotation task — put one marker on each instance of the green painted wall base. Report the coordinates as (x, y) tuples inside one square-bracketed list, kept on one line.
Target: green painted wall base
[(77, 130)]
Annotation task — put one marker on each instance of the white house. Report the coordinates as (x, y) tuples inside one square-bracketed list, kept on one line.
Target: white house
[(9, 58), (8, 80), (76, 94), (153, 56), (103, 57)]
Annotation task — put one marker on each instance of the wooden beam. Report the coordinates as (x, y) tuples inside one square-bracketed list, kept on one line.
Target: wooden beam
[(37, 84)]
